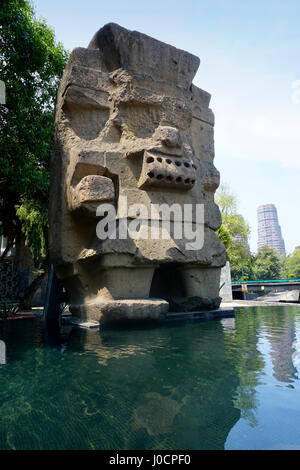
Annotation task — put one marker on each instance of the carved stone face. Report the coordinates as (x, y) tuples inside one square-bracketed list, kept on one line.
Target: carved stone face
[(140, 140), (129, 122)]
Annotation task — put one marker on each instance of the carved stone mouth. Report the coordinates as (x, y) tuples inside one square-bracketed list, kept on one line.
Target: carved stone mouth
[(168, 172)]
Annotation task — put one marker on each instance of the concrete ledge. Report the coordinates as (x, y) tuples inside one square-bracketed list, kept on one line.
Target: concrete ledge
[(201, 315), (225, 312), (120, 310), (257, 303)]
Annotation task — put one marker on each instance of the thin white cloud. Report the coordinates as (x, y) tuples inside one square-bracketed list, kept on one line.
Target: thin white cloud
[(261, 136)]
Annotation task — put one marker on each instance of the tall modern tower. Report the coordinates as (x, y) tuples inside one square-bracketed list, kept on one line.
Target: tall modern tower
[(269, 231)]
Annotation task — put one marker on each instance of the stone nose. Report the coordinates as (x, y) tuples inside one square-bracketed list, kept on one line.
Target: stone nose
[(169, 136)]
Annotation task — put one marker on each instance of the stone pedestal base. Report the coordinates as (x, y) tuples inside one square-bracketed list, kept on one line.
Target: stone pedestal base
[(193, 304), (121, 310)]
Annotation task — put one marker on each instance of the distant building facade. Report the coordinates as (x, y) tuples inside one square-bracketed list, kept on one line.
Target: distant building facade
[(269, 231)]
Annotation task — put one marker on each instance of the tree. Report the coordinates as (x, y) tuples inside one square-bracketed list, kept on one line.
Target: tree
[(224, 236), (226, 201), (291, 267), (266, 264), (234, 233), (31, 64)]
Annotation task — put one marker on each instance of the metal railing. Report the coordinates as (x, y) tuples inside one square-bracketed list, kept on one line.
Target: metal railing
[(265, 280)]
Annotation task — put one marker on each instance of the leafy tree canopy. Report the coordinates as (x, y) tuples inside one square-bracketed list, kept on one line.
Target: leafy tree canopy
[(292, 265), (31, 64), (266, 264), (234, 233)]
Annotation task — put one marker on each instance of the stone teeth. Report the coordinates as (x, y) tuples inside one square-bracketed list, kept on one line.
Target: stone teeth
[(167, 172)]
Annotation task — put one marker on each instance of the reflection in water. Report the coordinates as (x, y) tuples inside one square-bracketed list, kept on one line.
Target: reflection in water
[(241, 340), (296, 355), (157, 414), (193, 385), (2, 353), (228, 324), (141, 388), (163, 392), (281, 335), (273, 423)]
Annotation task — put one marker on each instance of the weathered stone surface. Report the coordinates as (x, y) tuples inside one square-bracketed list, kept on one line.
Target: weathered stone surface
[(225, 283), (129, 123), (166, 172), (118, 310), (134, 51), (90, 192), (194, 304)]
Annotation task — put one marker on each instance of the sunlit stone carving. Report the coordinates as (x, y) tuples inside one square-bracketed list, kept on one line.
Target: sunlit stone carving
[(129, 123)]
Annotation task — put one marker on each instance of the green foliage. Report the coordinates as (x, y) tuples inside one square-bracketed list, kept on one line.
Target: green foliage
[(226, 201), (234, 234), (245, 356), (31, 64), (291, 267), (266, 264), (224, 236), (34, 219), (8, 310), (282, 259), (241, 262)]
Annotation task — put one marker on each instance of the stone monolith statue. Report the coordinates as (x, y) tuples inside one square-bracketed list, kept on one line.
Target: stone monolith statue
[(132, 132)]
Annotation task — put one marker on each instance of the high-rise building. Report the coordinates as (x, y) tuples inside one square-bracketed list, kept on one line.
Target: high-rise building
[(269, 231)]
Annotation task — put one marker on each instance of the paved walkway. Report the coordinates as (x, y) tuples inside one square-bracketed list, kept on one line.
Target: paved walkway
[(256, 303)]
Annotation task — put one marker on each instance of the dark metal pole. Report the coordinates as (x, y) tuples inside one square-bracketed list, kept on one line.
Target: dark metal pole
[(54, 296)]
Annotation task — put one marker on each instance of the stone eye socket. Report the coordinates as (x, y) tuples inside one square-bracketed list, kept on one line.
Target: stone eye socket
[(159, 159), (150, 174), (150, 159), (187, 165), (179, 179), (178, 163)]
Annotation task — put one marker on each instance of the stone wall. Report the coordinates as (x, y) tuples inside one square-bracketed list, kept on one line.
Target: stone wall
[(226, 290)]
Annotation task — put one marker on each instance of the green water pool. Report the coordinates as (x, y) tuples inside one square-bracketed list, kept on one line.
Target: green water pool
[(223, 384)]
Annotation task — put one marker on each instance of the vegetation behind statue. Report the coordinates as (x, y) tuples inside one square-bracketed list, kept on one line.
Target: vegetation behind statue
[(31, 64)]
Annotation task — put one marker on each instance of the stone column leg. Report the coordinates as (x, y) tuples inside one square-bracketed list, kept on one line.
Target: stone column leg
[(201, 287), (201, 282), (121, 294), (124, 283)]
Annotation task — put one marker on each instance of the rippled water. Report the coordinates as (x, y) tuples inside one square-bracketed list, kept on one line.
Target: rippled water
[(222, 384)]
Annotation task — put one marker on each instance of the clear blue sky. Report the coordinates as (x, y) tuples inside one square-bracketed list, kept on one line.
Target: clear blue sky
[(249, 53)]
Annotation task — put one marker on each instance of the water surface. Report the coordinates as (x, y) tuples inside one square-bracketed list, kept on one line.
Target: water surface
[(221, 384)]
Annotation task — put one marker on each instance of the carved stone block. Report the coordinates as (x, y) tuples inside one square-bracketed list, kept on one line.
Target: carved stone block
[(130, 124)]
